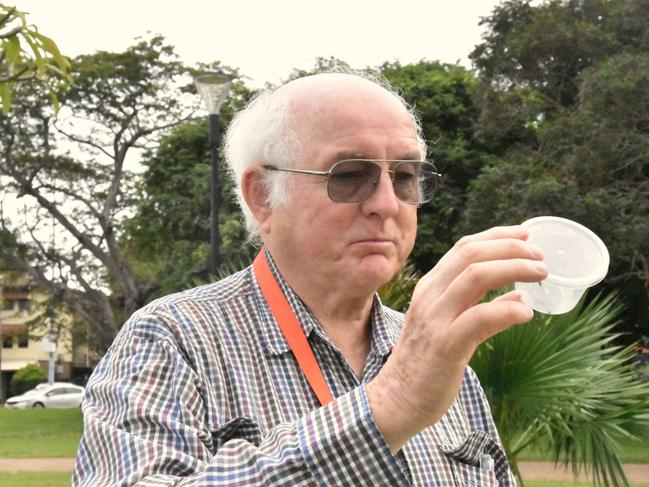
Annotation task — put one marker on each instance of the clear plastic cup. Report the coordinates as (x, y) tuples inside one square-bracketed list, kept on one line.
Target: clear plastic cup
[(576, 258)]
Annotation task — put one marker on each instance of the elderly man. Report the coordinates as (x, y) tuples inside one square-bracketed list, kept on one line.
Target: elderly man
[(291, 372)]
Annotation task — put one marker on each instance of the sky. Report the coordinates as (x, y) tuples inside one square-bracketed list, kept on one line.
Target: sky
[(267, 39)]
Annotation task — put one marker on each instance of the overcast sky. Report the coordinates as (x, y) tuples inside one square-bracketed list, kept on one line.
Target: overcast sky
[(266, 39)]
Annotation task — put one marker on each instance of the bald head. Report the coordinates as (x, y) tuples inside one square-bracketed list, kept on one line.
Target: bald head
[(315, 102), (334, 87)]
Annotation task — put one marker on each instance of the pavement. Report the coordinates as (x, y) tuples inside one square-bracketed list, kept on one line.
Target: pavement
[(41, 464), (635, 472)]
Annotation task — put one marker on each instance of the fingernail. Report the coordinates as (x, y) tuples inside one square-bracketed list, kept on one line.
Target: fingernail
[(536, 251), (541, 267)]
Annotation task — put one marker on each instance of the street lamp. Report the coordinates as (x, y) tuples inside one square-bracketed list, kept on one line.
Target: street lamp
[(49, 346), (213, 88)]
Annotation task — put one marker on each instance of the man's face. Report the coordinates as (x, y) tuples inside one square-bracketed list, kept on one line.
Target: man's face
[(358, 244)]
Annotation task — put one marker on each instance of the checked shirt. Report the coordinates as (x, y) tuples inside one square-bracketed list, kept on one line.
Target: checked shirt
[(200, 388)]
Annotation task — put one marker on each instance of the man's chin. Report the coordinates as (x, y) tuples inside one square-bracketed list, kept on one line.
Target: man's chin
[(377, 269)]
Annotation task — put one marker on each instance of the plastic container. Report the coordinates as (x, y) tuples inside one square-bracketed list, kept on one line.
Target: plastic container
[(576, 258)]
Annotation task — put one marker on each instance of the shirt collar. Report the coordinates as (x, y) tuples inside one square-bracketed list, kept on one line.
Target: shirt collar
[(384, 329)]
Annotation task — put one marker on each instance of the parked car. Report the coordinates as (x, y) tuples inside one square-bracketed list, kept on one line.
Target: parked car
[(57, 395)]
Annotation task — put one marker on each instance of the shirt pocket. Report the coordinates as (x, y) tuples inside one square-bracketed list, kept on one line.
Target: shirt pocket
[(241, 428), (465, 458)]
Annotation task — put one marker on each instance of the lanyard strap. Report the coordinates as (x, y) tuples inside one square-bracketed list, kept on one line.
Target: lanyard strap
[(291, 328)]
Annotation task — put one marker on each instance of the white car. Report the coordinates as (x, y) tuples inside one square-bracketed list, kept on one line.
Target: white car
[(57, 395)]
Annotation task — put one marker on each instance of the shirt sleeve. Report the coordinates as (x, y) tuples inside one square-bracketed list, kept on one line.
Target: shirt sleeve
[(144, 425)]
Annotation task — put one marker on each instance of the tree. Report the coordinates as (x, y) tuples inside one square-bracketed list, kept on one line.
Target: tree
[(40, 60), (563, 112), (168, 237), (442, 97), (75, 173), (547, 47)]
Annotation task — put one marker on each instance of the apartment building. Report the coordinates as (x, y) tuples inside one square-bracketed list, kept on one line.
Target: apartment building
[(24, 335)]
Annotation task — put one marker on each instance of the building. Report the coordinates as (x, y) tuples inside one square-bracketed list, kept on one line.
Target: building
[(23, 335)]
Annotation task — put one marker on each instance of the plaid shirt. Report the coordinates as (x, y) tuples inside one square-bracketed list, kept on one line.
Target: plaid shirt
[(201, 388)]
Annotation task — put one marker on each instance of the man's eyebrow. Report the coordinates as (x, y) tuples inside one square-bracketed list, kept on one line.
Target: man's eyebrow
[(408, 156), (341, 156)]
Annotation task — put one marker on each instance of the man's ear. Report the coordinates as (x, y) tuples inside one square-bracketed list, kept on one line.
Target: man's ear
[(255, 193)]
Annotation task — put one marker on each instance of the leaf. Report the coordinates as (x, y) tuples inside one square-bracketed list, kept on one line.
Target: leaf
[(5, 94), (40, 62), (50, 46), (55, 101), (12, 50)]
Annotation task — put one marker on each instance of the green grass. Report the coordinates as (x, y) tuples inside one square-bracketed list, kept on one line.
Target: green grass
[(632, 452), (36, 479), (567, 483), (62, 479), (45, 433), (55, 433)]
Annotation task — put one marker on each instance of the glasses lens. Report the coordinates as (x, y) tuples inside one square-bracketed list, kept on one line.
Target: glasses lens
[(415, 182), (353, 181)]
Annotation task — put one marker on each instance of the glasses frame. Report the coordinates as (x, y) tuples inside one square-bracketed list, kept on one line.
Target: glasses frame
[(377, 162)]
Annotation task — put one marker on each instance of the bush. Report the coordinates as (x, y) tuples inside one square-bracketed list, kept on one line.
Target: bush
[(26, 378)]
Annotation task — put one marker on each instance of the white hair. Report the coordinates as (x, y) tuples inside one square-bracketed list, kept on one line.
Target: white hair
[(261, 133)]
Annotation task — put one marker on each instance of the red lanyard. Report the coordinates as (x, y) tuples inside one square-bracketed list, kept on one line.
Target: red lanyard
[(291, 328)]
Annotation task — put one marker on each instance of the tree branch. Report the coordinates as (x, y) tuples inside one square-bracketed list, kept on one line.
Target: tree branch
[(83, 141), (10, 12), (74, 195)]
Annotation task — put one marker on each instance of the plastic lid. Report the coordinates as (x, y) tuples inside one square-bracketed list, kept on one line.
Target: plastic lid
[(576, 257)]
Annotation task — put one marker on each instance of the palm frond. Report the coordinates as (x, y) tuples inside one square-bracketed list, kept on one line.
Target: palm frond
[(397, 292), (562, 381)]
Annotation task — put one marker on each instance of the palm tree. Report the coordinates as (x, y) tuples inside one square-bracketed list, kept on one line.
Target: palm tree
[(562, 382)]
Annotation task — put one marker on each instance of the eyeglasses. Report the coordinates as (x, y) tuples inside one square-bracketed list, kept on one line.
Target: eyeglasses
[(354, 180)]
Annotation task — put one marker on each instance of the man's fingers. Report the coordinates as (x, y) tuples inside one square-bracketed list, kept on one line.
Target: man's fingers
[(510, 296), (495, 233), (485, 320), (478, 278), (494, 244), (460, 258)]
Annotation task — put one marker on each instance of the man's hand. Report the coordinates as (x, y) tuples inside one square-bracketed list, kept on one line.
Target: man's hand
[(445, 324)]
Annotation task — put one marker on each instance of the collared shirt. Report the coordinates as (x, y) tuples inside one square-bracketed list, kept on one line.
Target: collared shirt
[(201, 388)]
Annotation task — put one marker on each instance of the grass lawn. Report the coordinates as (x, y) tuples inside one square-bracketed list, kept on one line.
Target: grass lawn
[(36, 479), (62, 479), (559, 483), (632, 452), (46, 433), (55, 433)]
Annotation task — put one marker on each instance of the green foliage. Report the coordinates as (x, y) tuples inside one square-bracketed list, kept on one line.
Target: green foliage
[(396, 294), (561, 381), (26, 378), (168, 239), (127, 101), (443, 99), (564, 114), (26, 54), (545, 47)]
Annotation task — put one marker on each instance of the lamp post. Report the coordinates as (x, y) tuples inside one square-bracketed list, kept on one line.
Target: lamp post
[(49, 346), (213, 88)]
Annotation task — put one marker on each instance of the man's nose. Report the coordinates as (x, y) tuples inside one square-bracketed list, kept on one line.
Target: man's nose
[(383, 201)]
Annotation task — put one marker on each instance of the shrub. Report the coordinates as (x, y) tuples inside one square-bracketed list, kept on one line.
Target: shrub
[(26, 378)]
